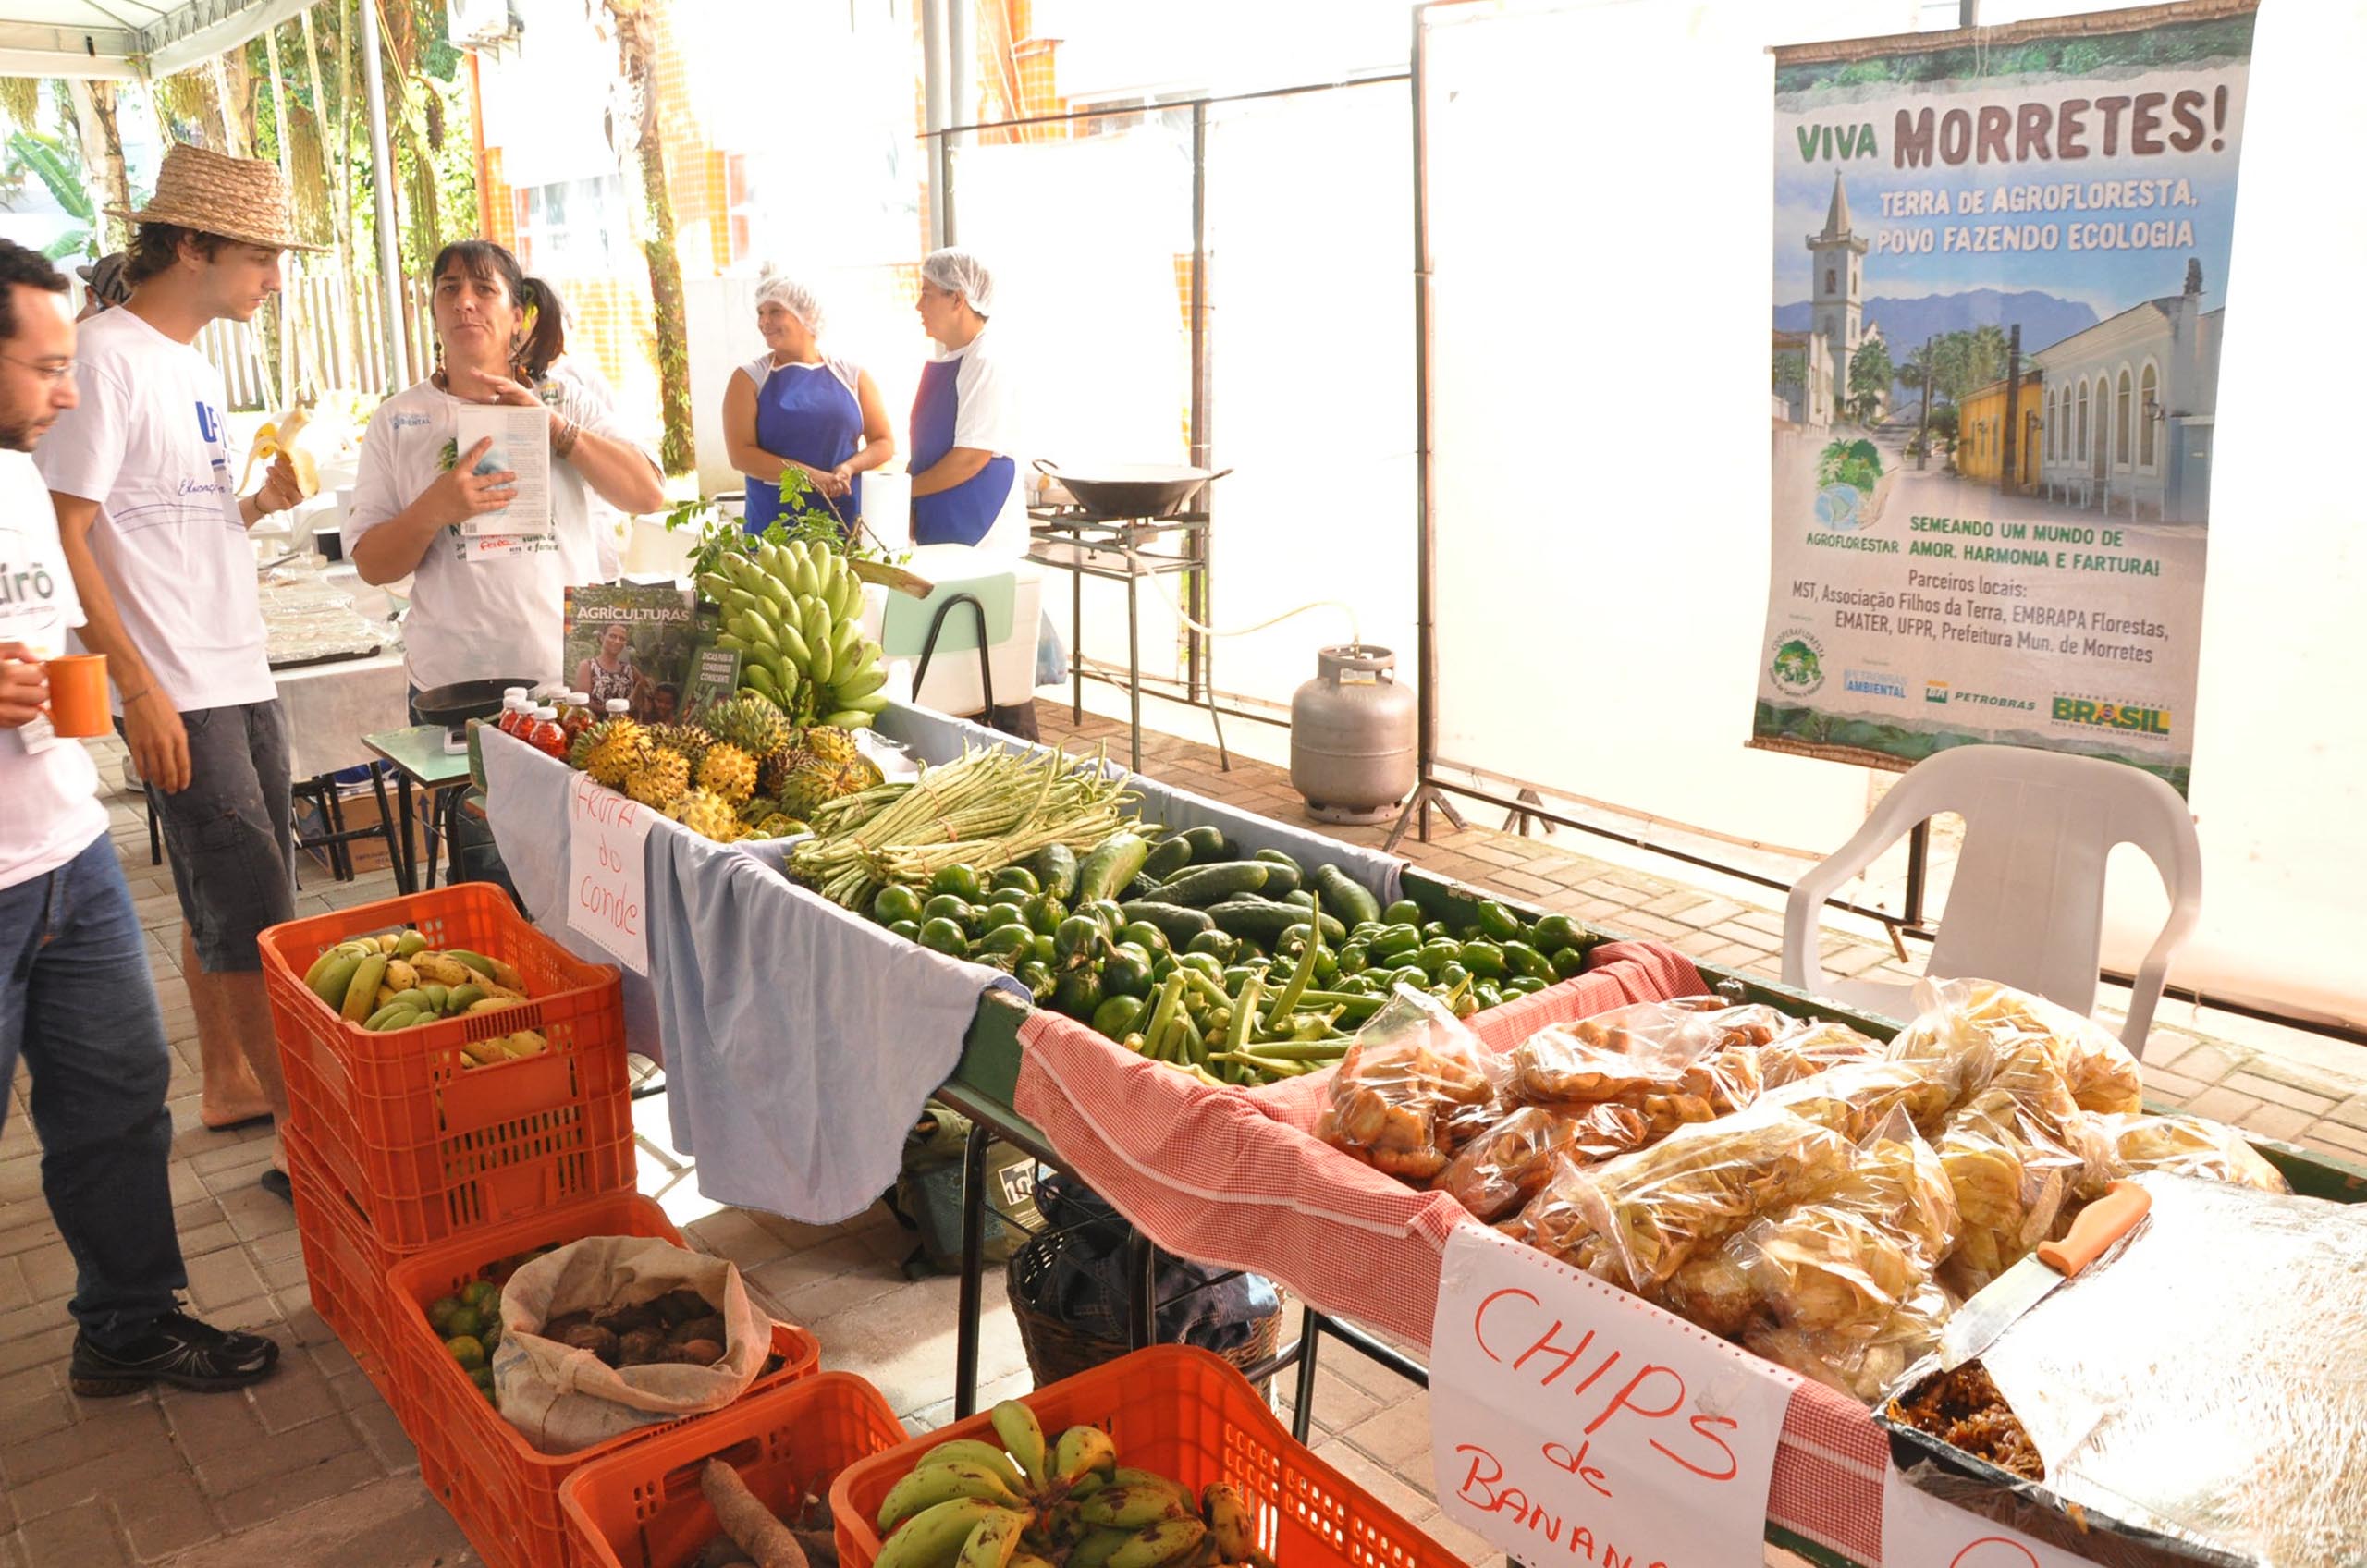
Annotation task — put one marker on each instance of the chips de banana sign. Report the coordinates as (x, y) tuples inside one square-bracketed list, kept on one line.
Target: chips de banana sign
[(2000, 286)]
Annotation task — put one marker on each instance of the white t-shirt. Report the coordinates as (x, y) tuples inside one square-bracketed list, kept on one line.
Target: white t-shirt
[(49, 797), (477, 620), (148, 442), (985, 417)]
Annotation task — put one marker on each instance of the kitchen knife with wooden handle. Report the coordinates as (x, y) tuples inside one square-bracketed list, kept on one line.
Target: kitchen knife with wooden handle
[(1977, 1324)]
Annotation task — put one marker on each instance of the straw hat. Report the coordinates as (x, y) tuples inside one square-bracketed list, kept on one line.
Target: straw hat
[(213, 193)]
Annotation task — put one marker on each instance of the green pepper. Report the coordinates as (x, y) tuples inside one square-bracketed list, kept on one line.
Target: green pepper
[(1221, 944), (896, 902), (1353, 958), (961, 881), (1496, 922), (1484, 959), (908, 929), (1556, 932), (948, 906), (1486, 993), (1394, 940), (1433, 930), (1569, 962), (1412, 975), (940, 935), (1204, 963), (1522, 959), (1116, 1016), (1016, 877), (1365, 930), (1144, 934), (1437, 954), (1524, 986), (1452, 972), (1404, 912)]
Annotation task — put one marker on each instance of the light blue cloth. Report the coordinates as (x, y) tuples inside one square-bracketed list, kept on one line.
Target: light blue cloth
[(933, 737), (800, 1041)]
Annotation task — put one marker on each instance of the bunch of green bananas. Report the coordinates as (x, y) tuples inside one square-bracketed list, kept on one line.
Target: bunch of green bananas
[(971, 1504), (793, 613)]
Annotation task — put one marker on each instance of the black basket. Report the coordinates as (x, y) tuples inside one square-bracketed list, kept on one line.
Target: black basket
[(1057, 1348)]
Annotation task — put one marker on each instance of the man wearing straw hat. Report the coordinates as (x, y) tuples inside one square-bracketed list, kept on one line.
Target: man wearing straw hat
[(140, 473)]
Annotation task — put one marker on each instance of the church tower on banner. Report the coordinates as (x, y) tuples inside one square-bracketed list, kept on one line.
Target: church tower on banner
[(1838, 288)]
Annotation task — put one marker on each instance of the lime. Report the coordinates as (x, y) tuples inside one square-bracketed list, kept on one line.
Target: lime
[(439, 1314), (484, 1295), (464, 1322), (467, 1350)]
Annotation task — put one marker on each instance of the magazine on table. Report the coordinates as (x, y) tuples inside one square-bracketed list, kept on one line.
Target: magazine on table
[(634, 641)]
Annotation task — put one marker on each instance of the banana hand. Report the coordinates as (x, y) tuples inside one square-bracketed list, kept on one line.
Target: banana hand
[(994, 1542), (1081, 1451), (934, 1536), (1155, 1544), (933, 1484), (1135, 1506), (1016, 1425)]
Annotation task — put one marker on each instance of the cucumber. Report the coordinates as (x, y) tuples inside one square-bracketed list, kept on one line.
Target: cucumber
[(1178, 925), (1172, 856), (1255, 920), (1206, 885), (1284, 875), (1344, 895), (1210, 845), (1055, 867), (1114, 862)]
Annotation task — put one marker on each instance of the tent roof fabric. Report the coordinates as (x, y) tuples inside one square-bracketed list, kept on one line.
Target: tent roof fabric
[(117, 38)]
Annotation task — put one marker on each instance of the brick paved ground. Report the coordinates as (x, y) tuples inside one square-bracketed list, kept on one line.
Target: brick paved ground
[(311, 1468)]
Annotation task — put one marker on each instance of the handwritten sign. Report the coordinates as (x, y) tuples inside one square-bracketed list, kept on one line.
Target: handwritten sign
[(1920, 1531), (606, 887), (1572, 1422)]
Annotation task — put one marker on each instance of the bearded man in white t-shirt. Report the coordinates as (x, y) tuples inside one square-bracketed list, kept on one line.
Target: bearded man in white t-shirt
[(140, 473), (76, 999)]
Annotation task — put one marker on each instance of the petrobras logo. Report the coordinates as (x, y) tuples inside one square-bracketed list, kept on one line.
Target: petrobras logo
[(2088, 713), (1873, 684), (1936, 692)]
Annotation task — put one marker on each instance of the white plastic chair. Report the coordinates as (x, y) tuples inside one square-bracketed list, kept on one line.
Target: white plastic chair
[(2026, 908)]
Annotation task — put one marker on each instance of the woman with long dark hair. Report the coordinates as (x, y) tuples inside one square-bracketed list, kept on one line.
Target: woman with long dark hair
[(484, 607)]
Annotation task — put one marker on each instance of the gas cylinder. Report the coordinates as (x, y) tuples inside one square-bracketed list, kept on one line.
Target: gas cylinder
[(1351, 736)]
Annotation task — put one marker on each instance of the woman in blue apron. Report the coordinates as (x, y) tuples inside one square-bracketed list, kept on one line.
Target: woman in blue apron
[(792, 408), (965, 482)]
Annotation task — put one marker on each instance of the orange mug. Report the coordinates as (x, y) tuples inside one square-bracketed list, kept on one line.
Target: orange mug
[(77, 695)]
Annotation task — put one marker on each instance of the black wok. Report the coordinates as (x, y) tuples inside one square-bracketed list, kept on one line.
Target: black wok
[(1128, 490)]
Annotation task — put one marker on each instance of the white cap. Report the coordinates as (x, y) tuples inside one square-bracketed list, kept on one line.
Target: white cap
[(617, 705), (546, 711), (514, 691), (585, 698)]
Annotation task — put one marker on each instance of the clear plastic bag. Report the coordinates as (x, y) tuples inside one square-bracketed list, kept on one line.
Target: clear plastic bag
[(1854, 1098), (1498, 1172), (2117, 1146), (1414, 1083), (1657, 1208), (1862, 1359), (2011, 1182), (1810, 1048), (1671, 1063), (1969, 1033)]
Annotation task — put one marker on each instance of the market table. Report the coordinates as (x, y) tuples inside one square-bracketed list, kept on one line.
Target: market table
[(418, 755), (332, 706)]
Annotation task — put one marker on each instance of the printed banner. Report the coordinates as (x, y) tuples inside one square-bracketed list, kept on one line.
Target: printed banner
[(2001, 275)]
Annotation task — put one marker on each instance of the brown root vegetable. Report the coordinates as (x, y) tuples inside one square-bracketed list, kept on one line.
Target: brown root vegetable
[(593, 1338), (699, 1352), (721, 1552), (556, 1329), (623, 1320), (640, 1348), (709, 1327), (679, 1306), (821, 1548), (748, 1521)]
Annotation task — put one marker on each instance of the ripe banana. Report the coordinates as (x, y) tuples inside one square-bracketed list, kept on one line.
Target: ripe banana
[(1231, 1523), (1153, 1545), (1080, 1451), (994, 1542), (934, 1536), (1135, 1506), (360, 991), (971, 1450), (1016, 1425), (409, 942), (933, 1484), (1094, 1549)]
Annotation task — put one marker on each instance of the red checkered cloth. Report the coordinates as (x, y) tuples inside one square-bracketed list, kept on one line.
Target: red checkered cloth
[(1238, 1180)]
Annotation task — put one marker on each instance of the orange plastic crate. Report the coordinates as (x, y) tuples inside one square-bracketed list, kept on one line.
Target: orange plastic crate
[(502, 1489), (427, 1145), (641, 1507), (344, 1266), (1187, 1414)]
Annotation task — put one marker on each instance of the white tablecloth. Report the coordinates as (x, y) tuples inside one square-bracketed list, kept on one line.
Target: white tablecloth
[(331, 706)]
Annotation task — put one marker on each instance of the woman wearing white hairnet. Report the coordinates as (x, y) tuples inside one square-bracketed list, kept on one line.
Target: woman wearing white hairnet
[(793, 407), (965, 482)]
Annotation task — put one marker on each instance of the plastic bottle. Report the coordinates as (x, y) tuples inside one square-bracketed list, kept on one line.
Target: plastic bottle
[(511, 706), (617, 707), (546, 734), (577, 717)]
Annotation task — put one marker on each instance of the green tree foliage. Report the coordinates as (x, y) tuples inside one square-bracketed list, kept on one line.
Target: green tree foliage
[(1871, 375)]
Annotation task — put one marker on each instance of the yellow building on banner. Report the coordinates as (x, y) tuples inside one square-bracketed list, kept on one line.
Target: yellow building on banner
[(1983, 419)]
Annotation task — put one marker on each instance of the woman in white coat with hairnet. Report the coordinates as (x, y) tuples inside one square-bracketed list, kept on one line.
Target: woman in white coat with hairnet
[(793, 406)]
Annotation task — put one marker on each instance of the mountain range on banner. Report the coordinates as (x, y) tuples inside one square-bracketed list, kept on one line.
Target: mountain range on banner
[(2045, 318)]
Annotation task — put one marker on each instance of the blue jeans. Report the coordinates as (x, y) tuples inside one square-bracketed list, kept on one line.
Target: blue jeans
[(76, 998)]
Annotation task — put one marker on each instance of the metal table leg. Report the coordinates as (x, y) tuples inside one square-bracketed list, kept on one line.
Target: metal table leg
[(971, 1303), (410, 821), (435, 804), (1142, 1270), (1310, 1337), (1134, 662), (398, 844), (1076, 643)]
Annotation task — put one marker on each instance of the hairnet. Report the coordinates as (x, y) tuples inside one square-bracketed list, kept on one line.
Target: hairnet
[(779, 289), (959, 272)]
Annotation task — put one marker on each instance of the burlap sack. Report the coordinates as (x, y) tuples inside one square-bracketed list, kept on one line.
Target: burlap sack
[(564, 1400)]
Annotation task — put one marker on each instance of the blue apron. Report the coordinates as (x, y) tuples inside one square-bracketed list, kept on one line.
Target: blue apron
[(805, 412), (964, 514)]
